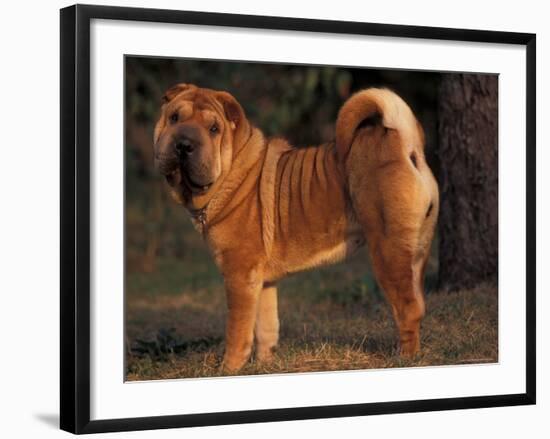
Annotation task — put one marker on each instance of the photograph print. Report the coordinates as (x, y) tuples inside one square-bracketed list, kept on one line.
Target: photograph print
[(284, 218)]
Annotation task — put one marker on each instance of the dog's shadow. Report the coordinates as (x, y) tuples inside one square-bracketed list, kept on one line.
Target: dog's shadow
[(167, 342)]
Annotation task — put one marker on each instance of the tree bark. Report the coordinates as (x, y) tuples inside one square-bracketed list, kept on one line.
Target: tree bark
[(468, 155)]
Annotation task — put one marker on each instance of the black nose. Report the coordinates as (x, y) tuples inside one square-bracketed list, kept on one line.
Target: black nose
[(184, 146)]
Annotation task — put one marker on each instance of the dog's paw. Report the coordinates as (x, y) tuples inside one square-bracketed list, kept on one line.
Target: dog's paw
[(410, 348), (266, 355), (232, 364)]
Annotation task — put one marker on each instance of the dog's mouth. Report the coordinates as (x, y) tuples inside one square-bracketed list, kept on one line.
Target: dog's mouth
[(177, 177), (197, 188)]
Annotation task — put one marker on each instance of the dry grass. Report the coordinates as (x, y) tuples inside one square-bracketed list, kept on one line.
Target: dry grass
[(333, 319)]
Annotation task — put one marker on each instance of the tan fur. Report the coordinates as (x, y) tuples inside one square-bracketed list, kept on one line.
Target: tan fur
[(276, 210)]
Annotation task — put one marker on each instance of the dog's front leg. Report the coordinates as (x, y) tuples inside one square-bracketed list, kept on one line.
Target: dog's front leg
[(267, 324), (243, 290)]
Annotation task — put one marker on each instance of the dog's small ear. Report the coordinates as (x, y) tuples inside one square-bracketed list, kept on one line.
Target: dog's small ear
[(233, 110), (173, 91)]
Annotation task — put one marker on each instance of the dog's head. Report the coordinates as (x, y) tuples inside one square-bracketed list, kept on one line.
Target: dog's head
[(193, 139)]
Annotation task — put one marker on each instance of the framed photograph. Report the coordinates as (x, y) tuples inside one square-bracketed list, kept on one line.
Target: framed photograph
[(273, 218)]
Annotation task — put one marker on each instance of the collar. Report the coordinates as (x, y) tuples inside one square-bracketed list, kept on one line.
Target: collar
[(199, 218)]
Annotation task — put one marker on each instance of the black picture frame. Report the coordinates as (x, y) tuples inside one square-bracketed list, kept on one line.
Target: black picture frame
[(75, 217)]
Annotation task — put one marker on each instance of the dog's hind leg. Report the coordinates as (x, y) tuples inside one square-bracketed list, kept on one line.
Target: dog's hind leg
[(396, 211), (399, 227), (399, 274), (267, 324)]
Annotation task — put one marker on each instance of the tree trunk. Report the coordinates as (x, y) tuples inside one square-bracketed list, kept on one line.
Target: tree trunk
[(468, 154)]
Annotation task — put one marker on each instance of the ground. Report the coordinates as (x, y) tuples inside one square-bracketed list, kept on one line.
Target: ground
[(334, 318)]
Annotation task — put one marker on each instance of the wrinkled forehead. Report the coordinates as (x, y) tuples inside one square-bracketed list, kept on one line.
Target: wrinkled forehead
[(195, 105)]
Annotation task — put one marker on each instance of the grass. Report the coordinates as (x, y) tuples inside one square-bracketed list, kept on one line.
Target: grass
[(331, 319)]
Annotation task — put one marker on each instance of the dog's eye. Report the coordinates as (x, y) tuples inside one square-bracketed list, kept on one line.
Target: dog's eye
[(214, 128), (174, 117)]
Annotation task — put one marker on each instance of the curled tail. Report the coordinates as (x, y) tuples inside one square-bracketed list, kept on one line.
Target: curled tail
[(371, 108)]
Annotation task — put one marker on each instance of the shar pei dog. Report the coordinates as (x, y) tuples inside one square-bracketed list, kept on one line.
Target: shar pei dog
[(266, 209)]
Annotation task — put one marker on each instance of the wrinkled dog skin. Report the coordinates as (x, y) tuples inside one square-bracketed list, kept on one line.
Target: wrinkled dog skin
[(266, 209)]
